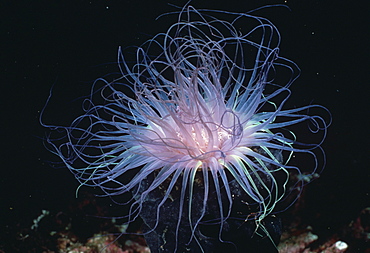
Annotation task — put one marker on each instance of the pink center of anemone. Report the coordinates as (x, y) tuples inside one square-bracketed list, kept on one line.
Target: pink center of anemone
[(195, 126)]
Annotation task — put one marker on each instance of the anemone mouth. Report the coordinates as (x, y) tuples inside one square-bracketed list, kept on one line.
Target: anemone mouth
[(196, 135), (208, 106)]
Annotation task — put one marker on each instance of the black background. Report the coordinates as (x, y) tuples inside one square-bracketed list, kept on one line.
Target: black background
[(64, 42)]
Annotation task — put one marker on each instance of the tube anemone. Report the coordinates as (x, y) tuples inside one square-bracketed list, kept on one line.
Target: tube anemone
[(204, 117)]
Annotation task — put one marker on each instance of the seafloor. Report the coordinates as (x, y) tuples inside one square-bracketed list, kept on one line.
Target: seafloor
[(81, 228)]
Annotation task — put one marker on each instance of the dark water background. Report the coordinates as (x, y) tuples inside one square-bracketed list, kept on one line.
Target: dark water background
[(63, 42)]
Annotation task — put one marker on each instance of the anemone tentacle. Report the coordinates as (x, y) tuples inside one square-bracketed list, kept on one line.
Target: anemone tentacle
[(206, 103)]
